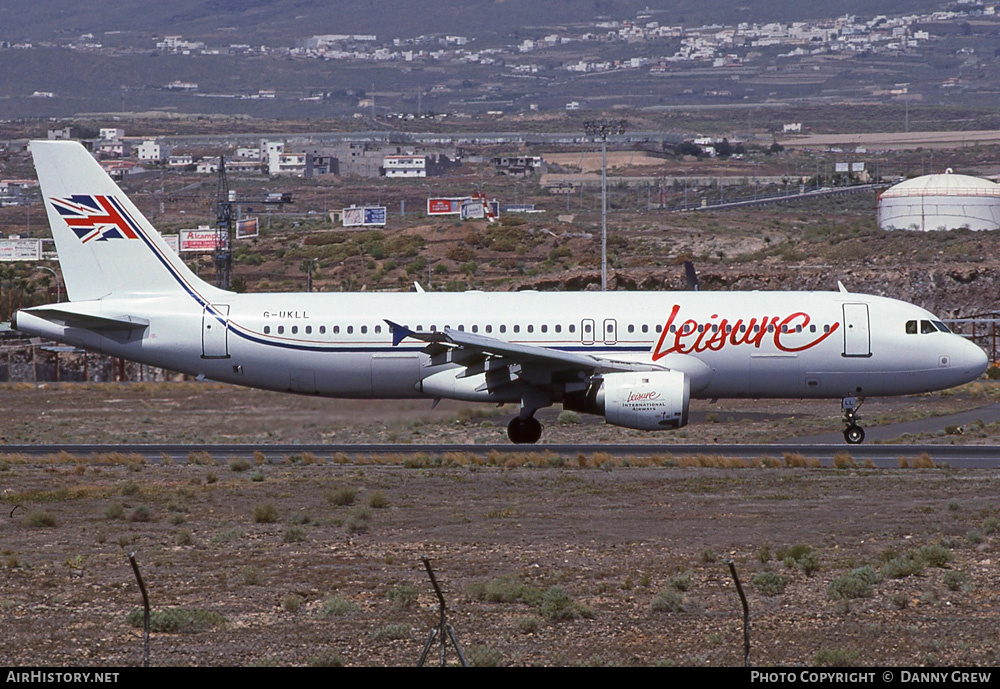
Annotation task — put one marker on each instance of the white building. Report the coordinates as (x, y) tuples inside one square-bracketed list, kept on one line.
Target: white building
[(153, 151), (287, 164), (111, 133), (405, 166)]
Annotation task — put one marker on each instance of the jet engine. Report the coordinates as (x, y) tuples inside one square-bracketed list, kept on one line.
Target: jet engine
[(647, 401)]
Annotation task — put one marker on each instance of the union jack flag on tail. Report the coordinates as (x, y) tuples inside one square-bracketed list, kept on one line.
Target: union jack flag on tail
[(96, 217)]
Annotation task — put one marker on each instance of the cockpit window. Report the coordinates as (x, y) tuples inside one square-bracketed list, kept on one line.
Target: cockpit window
[(941, 326), (911, 327), (927, 327)]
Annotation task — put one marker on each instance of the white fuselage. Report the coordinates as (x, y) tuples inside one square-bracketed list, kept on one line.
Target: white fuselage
[(752, 344)]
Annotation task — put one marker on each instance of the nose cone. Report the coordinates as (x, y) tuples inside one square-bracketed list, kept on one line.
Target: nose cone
[(969, 359)]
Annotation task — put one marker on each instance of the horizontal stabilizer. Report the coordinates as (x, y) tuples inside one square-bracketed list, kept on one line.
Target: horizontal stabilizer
[(66, 315)]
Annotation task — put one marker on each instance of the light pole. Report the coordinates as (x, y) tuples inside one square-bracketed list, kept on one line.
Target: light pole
[(603, 128), (58, 281)]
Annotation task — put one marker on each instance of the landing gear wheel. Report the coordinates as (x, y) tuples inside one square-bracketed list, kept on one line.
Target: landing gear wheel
[(855, 435), (524, 431)]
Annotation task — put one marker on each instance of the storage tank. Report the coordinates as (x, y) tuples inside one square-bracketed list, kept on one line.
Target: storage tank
[(940, 202)]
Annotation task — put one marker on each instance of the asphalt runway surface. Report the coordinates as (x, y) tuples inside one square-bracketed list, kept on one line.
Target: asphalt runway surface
[(823, 447)]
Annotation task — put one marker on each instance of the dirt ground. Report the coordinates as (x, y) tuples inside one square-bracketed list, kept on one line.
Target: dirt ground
[(314, 561)]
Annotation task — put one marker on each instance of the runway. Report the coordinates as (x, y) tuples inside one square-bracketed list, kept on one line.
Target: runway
[(882, 456)]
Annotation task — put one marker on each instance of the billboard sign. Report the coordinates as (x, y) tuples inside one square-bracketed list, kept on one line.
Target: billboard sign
[(473, 209), (375, 215), (247, 228), (365, 216), (445, 206), (20, 250), (203, 239), (173, 241)]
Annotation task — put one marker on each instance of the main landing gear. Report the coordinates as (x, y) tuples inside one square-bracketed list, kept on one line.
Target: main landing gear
[(854, 433), (524, 431)]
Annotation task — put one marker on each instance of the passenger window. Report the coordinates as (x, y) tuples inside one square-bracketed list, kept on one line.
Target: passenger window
[(350, 330), (517, 328), (659, 328), (572, 328), (281, 330), (461, 328), (531, 328), (558, 328), (336, 330), (322, 330), (545, 328), (475, 328), (631, 328), (267, 330), (645, 328), (378, 329), (364, 329), (295, 330), (309, 330), (503, 328), (489, 328)]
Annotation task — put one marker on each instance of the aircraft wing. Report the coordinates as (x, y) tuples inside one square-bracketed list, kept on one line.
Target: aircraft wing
[(470, 349)]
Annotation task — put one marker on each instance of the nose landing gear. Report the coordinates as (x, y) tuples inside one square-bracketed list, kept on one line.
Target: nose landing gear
[(854, 434)]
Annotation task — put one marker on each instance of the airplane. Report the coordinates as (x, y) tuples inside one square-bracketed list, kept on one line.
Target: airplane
[(636, 358)]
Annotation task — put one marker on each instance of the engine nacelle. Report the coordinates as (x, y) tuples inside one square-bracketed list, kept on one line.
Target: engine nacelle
[(647, 401)]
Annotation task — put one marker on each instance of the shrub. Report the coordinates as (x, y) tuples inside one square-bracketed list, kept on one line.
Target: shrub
[(403, 595), (250, 576), (342, 496), (335, 606), (682, 582), (292, 602), (848, 587), (392, 632), (529, 624), (954, 580), (179, 620), (567, 417), (239, 464), (903, 566), (359, 520), (293, 534), (557, 606), (484, 656), (378, 500), (836, 657), (935, 555), (668, 600), (770, 583), (265, 513), (505, 589), (41, 519), (326, 658), (140, 514)]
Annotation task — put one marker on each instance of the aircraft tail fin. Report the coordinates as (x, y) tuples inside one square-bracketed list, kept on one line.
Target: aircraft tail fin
[(106, 246)]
